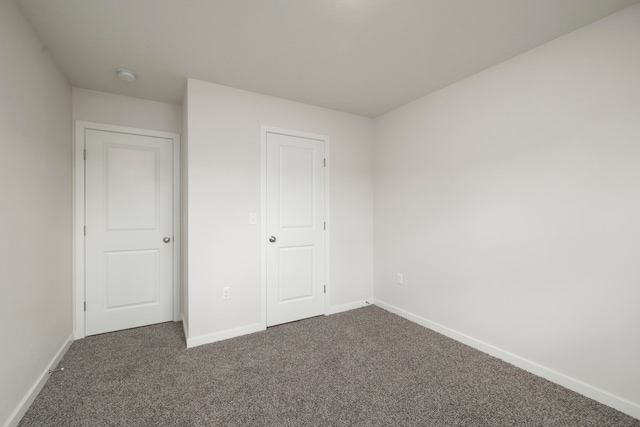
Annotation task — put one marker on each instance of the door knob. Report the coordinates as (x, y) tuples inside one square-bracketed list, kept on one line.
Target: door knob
[(166, 239), (272, 239)]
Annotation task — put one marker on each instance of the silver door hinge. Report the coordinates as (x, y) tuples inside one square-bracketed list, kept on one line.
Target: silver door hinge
[(84, 230), (85, 306), (325, 163), (325, 289), (84, 154), (325, 225)]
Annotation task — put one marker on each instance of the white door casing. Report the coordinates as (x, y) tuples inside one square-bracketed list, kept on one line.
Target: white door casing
[(126, 197), (295, 217)]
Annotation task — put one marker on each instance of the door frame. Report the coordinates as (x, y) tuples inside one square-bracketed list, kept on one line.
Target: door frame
[(79, 216), (264, 130)]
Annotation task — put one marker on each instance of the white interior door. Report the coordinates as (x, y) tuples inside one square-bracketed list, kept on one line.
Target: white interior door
[(129, 230), (295, 227)]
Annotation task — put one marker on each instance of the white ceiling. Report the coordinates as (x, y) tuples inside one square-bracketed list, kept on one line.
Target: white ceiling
[(361, 56)]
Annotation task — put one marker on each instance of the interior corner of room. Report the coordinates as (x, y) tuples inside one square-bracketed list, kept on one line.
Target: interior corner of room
[(500, 210)]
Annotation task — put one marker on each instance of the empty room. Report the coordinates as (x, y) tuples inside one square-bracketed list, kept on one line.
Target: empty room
[(336, 212)]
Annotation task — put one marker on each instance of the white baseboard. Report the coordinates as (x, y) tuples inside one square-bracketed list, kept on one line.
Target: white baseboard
[(630, 408), (33, 392), (350, 306), (244, 330), (223, 335)]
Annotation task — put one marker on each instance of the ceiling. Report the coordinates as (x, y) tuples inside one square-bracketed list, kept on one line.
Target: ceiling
[(360, 56)]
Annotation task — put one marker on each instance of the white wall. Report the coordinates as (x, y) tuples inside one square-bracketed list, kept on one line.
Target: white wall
[(224, 187), (35, 213), (106, 108), (511, 203)]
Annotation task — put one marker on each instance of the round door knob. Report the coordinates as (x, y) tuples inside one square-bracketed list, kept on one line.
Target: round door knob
[(272, 239), (166, 239)]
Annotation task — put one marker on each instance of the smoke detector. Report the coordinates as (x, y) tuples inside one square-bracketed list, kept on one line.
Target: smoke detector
[(126, 75)]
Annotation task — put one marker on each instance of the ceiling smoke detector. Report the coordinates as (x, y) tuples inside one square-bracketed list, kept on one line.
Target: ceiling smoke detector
[(126, 75)]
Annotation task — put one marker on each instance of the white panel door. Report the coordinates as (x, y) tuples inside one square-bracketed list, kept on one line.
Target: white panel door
[(129, 235), (295, 215)]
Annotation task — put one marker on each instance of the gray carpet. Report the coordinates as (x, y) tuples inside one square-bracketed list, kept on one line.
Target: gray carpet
[(365, 367)]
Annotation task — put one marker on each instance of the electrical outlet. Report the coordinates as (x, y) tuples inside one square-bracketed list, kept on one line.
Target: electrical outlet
[(226, 293), (399, 278)]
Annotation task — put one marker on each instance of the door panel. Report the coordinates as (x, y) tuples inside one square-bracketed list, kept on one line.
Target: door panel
[(131, 278), (296, 187), (129, 210), (132, 188), (295, 217), (296, 273)]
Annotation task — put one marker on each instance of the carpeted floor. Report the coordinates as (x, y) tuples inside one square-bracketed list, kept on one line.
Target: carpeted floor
[(365, 367)]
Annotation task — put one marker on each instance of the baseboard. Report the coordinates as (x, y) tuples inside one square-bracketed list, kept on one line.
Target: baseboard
[(350, 306), (27, 400), (233, 333), (223, 335), (630, 408)]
